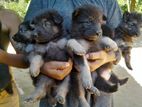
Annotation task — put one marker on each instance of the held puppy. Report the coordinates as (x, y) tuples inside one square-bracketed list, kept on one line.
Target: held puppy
[(125, 33), (87, 37), (42, 40)]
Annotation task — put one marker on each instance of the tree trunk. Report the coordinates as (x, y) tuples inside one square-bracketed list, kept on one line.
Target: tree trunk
[(132, 5)]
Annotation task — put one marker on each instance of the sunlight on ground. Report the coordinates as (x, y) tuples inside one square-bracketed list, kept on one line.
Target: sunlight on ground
[(136, 61), (11, 49)]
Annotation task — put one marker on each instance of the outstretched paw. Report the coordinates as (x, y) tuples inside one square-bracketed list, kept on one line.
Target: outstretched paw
[(60, 99)]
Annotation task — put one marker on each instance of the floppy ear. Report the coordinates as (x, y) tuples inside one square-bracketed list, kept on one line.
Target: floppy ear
[(57, 18), (31, 24), (75, 13), (104, 18), (126, 15)]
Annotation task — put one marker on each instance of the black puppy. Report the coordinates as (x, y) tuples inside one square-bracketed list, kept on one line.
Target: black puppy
[(125, 33), (87, 37), (42, 40)]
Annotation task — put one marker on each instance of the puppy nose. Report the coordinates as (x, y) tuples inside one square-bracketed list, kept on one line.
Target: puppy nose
[(14, 37), (99, 33), (35, 34)]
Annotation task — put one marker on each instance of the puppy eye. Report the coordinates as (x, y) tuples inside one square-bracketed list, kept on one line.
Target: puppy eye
[(84, 21), (22, 30), (132, 24), (47, 24)]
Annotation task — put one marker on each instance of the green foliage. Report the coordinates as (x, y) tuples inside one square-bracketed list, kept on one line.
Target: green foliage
[(20, 7), (27, 1), (124, 5)]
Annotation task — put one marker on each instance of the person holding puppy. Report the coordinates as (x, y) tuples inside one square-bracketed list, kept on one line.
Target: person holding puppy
[(55, 69), (65, 8)]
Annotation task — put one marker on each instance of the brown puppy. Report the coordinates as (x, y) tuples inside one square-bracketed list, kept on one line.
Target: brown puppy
[(125, 33), (87, 37), (42, 40)]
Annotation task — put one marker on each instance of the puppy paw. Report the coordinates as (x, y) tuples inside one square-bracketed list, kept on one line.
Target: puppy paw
[(34, 72), (79, 50), (123, 81), (60, 99), (87, 83), (94, 90), (30, 99), (75, 47), (109, 44), (114, 88)]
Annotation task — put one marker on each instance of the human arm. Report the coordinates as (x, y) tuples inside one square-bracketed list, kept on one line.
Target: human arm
[(16, 60), (55, 69)]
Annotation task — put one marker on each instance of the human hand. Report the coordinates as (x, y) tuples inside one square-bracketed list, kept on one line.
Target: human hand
[(97, 59), (57, 69)]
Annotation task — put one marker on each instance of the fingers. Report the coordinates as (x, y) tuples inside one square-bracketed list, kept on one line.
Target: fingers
[(95, 64), (110, 57), (106, 57), (94, 55), (57, 74), (57, 65)]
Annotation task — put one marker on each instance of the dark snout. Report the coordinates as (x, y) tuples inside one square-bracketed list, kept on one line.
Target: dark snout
[(134, 32), (16, 38), (93, 32)]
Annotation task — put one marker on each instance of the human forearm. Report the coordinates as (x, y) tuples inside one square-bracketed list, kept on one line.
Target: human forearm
[(15, 60)]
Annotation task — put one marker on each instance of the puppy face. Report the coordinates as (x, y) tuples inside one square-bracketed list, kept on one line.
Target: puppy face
[(131, 24), (47, 26), (43, 28), (25, 33), (87, 21)]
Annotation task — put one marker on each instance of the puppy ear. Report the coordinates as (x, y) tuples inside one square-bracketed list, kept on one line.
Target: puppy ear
[(75, 13), (126, 15), (103, 21), (104, 18), (57, 18)]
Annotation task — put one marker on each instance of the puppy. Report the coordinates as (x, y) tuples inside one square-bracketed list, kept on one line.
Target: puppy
[(125, 33), (42, 40), (87, 37)]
